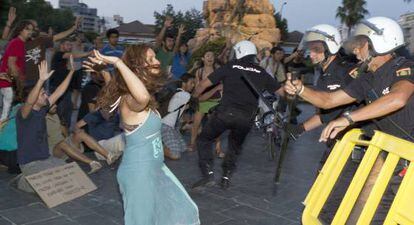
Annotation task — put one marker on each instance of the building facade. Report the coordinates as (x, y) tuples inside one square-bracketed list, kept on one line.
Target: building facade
[(91, 22), (136, 32), (111, 22), (407, 23)]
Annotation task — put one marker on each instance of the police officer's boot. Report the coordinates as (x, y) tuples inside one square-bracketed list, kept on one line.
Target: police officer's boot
[(225, 179), (207, 180)]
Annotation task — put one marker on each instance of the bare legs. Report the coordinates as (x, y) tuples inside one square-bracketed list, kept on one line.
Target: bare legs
[(72, 149)]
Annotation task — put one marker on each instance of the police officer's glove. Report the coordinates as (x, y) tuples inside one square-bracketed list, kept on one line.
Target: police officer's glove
[(295, 130)]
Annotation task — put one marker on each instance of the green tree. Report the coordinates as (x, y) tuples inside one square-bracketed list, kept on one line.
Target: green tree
[(90, 36), (351, 12), (192, 20), (41, 11), (282, 24)]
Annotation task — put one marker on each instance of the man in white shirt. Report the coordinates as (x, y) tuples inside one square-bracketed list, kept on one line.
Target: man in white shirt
[(174, 143), (274, 64)]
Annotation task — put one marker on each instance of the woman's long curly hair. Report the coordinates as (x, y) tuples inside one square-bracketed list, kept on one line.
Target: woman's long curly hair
[(135, 57), (19, 28)]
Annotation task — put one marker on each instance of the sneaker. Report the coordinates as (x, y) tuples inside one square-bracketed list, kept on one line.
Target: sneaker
[(95, 166), (225, 179), (225, 182), (206, 181)]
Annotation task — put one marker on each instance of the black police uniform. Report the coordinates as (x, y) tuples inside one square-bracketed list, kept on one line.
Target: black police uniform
[(367, 88), (373, 85), (235, 112), (338, 74)]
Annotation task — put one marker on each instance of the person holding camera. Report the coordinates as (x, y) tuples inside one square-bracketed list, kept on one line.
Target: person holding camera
[(235, 111)]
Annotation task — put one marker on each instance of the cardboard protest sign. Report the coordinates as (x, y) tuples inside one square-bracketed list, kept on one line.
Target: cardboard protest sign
[(61, 184)]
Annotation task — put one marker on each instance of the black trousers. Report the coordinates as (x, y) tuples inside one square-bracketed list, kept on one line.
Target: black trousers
[(9, 159), (223, 118), (64, 108)]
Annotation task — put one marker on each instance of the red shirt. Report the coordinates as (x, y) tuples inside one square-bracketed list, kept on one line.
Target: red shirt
[(15, 48)]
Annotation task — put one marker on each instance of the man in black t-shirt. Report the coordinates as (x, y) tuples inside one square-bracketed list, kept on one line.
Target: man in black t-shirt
[(89, 94), (235, 112), (36, 50), (59, 65)]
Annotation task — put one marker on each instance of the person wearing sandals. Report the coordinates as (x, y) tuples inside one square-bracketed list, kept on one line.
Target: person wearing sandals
[(72, 146), (151, 193), (207, 100)]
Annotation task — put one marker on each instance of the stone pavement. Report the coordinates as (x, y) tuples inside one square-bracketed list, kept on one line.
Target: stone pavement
[(252, 199)]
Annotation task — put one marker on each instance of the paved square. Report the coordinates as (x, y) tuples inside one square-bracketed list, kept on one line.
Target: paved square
[(252, 198)]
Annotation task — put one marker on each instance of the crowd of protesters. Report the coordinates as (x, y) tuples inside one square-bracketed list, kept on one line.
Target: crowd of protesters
[(37, 127), (117, 93), (48, 118)]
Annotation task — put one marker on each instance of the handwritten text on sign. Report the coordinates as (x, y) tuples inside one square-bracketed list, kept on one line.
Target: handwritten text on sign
[(61, 184)]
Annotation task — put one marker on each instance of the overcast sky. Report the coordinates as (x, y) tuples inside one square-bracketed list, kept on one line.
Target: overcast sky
[(301, 14)]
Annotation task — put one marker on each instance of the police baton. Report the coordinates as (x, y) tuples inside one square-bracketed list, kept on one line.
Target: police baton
[(295, 73)]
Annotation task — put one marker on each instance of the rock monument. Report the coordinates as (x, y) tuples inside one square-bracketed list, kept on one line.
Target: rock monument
[(238, 20)]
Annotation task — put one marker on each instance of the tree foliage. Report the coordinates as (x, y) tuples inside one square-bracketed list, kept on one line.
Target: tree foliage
[(351, 12), (41, 11), (192, 20), (90, 36), (282, 24)]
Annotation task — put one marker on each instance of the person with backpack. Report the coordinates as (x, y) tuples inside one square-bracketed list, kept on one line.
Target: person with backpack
[(172, 139)]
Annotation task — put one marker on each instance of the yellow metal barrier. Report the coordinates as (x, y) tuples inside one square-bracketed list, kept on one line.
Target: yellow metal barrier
[(402, 208)]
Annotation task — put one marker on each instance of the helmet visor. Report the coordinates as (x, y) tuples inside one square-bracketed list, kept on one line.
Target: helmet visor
[(366, 28), (354, 42), (318, 35)]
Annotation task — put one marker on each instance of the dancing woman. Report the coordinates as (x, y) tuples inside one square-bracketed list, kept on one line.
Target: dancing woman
[(151, 193)]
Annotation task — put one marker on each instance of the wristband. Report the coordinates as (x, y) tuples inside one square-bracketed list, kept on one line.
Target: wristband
[(347, 116), (302, 89)]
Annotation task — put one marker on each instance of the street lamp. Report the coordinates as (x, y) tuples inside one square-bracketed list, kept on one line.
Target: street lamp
[(281, 9)]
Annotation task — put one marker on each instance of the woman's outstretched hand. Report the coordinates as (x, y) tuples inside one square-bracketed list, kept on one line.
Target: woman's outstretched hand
[(100, 59)]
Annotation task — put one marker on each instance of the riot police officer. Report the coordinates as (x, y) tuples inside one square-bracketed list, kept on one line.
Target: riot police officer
[(324, 43), (386, 90), (235, 112), (386, 87)]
